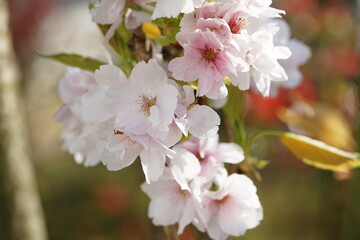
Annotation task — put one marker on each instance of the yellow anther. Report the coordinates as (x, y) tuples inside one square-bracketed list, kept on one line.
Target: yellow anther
[(151, 31)]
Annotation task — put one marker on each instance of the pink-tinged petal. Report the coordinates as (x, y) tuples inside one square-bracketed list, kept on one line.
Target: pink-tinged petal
[(204, 84), (92, 108), (300, 55), (273, 13), (154, 116), (229, 153), (231, 217), (166, 101), (187, 162), (108, 11), (180, 110), (130, 153), (205, 58), (173, 136), (217, 91), (148, 142), (182, 69), (220, 194), (64, 115), (265, 65), (153, 164), (167, 201), (180, 178), (121, 97), (217, 103), (165, 8), (262, 84), (75, 83), (189, 95), (109, 75), (214, 230), (202, 119), (134, 18), (242, 80), (93, 158), (132, 121), (188, 22), (208, 145), (282, 52), (110, 33), (284, 33), (217, 25), (188, 214), (295, 76), (183, 125), (148, 76)]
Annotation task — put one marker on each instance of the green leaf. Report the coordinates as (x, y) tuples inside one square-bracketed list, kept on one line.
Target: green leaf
[(162, 41), (170, 27), (75, 60)]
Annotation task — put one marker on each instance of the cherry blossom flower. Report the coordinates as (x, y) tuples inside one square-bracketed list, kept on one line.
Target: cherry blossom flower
[(212, 154), (224, 19), (145, 103), (205, 59), (262, 57), (175, 197), (79, 137), (233, 208), (120, 99)]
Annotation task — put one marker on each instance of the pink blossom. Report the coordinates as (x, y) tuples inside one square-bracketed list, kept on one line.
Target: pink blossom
[(79, 137), (145, 103), (212, 154), (262, 56), (175, 197), (205, 59), (233, 208)]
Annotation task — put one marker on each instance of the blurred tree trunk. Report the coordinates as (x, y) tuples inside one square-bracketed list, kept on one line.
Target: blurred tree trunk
[(21, 196)]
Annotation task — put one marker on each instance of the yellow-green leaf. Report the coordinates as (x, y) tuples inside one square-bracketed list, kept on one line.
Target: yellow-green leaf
[(75, 60), (319, 154)]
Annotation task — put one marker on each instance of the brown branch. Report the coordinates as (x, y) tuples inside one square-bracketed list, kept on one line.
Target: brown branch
[(171, 233), (22, 196)]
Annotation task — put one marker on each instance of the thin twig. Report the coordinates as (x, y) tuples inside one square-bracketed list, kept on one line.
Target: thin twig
[(170, 232)]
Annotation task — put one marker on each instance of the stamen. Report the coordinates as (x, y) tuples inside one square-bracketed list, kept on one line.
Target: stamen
[(117, 132), (208, 53)]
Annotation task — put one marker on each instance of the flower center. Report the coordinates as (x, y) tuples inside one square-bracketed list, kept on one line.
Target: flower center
[(208, 53), (237, 24), (146, 103)]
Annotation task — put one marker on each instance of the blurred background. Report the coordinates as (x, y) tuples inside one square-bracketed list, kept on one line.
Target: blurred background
[(300, 202)]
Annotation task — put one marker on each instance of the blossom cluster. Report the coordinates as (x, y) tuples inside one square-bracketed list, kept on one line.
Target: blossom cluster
[(114, 118)]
